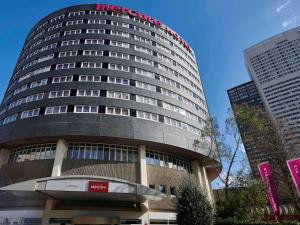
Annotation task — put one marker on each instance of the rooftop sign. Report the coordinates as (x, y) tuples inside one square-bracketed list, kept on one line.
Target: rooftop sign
[(155, 22)]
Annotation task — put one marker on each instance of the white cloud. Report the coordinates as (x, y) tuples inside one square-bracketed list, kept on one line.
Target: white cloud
[(283, 6), (287, 22)]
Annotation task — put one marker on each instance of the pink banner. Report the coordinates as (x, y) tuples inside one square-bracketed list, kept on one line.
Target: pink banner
[(267, 177), (294, 167)]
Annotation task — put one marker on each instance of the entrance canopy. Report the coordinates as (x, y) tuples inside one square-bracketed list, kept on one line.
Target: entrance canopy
[(86, 188)]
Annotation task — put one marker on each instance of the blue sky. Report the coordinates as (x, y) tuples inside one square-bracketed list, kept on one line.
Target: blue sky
[(217, 30)]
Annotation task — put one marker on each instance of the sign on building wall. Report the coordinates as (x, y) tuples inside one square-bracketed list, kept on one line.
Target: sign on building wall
[(268, 179), (98, 187), (294, 167)]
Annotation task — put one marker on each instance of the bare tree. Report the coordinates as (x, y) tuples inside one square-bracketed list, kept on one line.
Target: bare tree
[(214, 142)]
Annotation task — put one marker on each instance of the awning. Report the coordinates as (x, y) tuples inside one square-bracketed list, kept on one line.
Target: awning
[(85, 188)]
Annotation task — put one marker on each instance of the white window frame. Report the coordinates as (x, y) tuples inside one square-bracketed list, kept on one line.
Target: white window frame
[(88, 93), (89, 78), (56, 110), (30, 113), (94, 65), (118, 95), (86, 109), (117, 111), (60, 94)]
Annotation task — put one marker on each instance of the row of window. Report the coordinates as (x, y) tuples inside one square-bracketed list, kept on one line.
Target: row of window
[(108, 94), (110, 79), (167, 160), (99, 151), (118, 67), (114, 54), (106, 152), (91, 109), (123, 81), (32, 152), (94, 21), (74, 42)]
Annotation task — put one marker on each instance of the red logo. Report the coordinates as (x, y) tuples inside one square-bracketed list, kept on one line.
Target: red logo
[(157, 23), (98, 187)]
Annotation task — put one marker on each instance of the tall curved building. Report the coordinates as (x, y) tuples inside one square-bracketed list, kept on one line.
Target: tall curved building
[(99, 119)]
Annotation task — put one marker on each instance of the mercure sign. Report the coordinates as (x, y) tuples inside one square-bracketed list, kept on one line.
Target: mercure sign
[(155, 22)]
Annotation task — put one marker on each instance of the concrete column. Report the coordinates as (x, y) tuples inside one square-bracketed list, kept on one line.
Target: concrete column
[(201, 176), (207, 184), (143, 165), (46, 213), (4, 155), (143, 181), (61, 149)]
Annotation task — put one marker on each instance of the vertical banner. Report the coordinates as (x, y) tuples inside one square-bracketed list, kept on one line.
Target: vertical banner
[(294, 167), (267, 177)]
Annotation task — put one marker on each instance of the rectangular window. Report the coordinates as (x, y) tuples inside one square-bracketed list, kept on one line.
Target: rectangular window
[(119, 55), (118, 95), (55, 27), (21, 89), (57, 18), (59, 94), (142, 49), (118, 67), (117, 111), (89, 78), (70, 42), (93, 21), (35, 97), (45, 58), (146, 100), (71, 32), (98, 13), (52, 36), (119, 33), (173, 191), (144, 73), (85, 109), (74, 22), (93, 52), (91, 65), (144, 61), (67, 54), (16, 103), (94, 41), (147, 116), (88, 93), (146, 86), (162, 189), (142, 39), (62, 79), (56, 110), (80, 13), (95, 31), (38, 83), (120, 24), (119, 44), (65, 66), (30, 113), (118, 80), (10, 119)]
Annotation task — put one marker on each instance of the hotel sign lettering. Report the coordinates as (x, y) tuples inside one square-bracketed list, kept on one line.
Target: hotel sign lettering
[(98, 187), (157, 23)]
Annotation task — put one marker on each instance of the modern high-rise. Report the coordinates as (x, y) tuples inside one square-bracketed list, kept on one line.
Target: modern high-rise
[(274, 66), (247, 94), (99, 119)]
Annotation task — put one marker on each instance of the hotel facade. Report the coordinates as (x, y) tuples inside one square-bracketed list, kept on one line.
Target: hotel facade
[(98, 123)]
